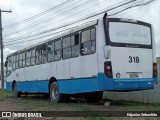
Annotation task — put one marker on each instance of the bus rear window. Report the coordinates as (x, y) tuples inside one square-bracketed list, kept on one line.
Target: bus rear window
[(130, 33)]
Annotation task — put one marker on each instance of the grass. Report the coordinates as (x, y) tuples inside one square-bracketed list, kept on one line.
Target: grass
[(98, 118), (126, 103), (4, 95), (155, 104), (38, 102), (136, 106)]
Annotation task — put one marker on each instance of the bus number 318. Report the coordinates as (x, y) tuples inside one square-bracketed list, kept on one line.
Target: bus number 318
[(134, 59)]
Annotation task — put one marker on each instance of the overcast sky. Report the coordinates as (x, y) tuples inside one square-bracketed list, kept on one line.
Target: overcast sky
[(70, 11)]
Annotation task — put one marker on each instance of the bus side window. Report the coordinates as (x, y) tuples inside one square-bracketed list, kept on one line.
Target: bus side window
[(66, 51), (37, 55), (23, 59), (93, 40), (43, 54), (28, 57), (9, 66), (20, 60), (75, 45), (11, 63), (88, 41), (33, 57), (57, 52), (50, 51), (16, 63)]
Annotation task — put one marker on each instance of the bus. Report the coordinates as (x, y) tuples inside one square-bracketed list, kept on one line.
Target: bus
[(108, 54)]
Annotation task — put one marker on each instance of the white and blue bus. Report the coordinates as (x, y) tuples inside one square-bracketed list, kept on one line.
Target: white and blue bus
[(108, 54)]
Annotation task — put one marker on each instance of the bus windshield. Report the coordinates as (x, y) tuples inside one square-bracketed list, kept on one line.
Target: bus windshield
[(129, 33)]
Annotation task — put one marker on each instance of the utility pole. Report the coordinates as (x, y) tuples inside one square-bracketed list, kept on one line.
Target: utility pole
[(1, 45)]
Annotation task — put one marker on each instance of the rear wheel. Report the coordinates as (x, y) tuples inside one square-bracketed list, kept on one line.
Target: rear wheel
[(55, 96), (93, 96), (15, 91)]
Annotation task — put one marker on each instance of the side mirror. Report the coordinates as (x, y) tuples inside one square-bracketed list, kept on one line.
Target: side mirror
[(6, 63), (107, 51)]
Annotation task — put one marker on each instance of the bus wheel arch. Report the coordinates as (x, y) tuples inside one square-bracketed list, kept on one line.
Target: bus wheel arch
[(52, 79), (15, 91), (14, 82)]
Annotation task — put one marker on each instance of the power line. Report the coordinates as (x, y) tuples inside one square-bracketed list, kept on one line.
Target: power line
[(89, 16), (37, 15), (47, 35), (81, 12), (109, 15), (122, 13), (132, 7), (47, 20), (37, 23), (52, 29)]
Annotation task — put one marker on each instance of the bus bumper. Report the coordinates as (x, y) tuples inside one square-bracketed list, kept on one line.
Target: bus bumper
[(110, 84)]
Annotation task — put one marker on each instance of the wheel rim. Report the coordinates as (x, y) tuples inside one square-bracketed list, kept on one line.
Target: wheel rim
[(54, 92)]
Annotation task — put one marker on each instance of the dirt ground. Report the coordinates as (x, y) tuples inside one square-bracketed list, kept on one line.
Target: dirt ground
[(38, 103)]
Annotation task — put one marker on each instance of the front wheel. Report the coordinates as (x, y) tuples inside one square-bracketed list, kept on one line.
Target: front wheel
[(15, 91), (55, 96)]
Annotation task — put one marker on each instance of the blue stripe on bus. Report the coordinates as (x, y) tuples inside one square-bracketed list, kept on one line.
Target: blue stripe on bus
[(9, 86), (66, 86), (125, 84), (100, 83), (78, 85), (30, 86)]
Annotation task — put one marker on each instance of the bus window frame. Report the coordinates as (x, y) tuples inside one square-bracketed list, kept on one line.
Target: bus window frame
[(88, 28), (40, 54), (59, 39), (20, 60), (79, 40), (53, 42), (130, 45), (7, 66), (14, 62), (17, 61), (62, 48), (27, 58), (33, 56)]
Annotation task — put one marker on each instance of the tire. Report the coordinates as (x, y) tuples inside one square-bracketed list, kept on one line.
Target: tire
[(55, 96), (93, 96), (15, 91)]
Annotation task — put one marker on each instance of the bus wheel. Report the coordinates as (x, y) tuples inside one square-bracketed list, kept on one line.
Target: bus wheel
[(55, 96), (93, 96), (15, 91)]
